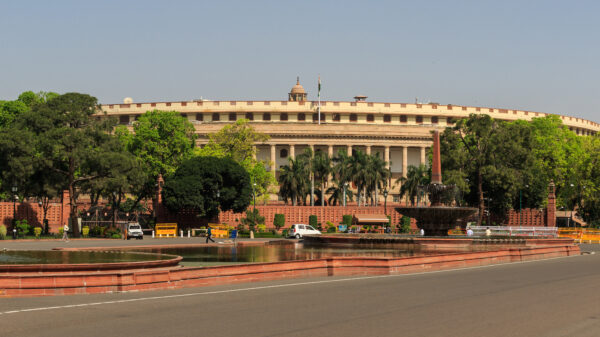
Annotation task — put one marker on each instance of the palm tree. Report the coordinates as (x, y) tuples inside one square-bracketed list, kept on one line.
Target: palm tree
[(293, 180), (321, 165), (342, 175), (336, 194), (415, 176), (359, 173), (307, 158), (377, 176)]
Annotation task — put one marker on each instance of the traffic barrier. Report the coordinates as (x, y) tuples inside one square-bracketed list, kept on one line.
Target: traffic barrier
[(580, 235), (166, 230)]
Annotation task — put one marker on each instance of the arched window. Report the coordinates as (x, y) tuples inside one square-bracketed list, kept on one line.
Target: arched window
[(353, 118), (216, 117), (249, 116), (266, 116), (283, 153), (232, 117), (370, 118), (283, 116), (301, 117)]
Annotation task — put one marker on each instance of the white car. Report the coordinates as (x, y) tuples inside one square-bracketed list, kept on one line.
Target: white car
[(134, 230), (299, 230)]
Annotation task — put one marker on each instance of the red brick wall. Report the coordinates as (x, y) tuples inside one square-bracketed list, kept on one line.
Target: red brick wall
[(32, 212), (529, 217)]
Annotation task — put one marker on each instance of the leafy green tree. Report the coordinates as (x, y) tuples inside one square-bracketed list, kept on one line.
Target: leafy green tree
[(237, 141), (416, 176), (208, 185), (306, 161), (70, 141), (279, 220)]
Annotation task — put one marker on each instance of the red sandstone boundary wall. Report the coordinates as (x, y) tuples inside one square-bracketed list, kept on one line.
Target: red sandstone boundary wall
[(35, 284)]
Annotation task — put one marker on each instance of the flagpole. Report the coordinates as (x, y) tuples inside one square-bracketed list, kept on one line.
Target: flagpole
[(319, 96)]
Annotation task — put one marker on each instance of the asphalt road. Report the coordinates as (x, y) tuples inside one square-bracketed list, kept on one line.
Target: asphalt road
[(557, 297)]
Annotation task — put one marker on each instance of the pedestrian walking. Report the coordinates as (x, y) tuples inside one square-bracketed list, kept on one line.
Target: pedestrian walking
[(422, 232), (209, 235), (65, 237), (469, 232)]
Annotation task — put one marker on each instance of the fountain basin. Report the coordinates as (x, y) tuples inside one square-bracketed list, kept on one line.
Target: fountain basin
[(436, 220)]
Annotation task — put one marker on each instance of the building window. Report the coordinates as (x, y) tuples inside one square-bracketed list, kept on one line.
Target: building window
[(301, 117), (450, 120), (419, 119), (387, 118), (353, 118), (396, 198), (249, 116), (232, 117), (403, 119), (434, 120), (336, 117), (266, 116), (283, 153), (199, 117), (283, 117), (316, 117), (216, 117), (184, 116), (370, 118), (124, 119)]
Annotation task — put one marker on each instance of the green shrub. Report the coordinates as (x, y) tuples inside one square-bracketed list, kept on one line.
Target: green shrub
[(331, 229), (85, 231), (111, 232), (284, 233), (405, 224), (2, 232), (116, 236), (37, 231), (347, 220), (22, 228), (279, 220), (253, 218), (261, 228), (313, 221)]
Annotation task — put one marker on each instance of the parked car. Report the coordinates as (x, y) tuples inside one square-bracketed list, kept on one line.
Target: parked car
[(299, 230), (134, 230)]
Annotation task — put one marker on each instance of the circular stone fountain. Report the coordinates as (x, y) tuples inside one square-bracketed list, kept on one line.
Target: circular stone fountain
[(66, 261), (436, 219)]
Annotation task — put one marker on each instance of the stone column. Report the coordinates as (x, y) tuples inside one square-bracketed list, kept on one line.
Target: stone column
[(330, 150), (254, 152), (292, 151), (386, 156), (368, 150), (273, 158), (404, 160), (423, 155), (349, 151)]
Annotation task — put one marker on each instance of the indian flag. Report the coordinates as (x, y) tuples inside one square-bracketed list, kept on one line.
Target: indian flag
[(319, 92)]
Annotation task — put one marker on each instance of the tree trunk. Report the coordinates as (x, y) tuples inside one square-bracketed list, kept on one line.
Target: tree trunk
[(72, 199), (312, 189), (322, 193), (481, 201)]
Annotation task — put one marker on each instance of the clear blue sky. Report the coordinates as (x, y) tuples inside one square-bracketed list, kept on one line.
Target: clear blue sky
[(531, 55)]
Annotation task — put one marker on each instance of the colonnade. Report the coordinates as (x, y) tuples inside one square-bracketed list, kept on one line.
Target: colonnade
[(417, 153)]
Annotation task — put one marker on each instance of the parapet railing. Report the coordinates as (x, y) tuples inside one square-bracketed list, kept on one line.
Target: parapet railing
[(516, 231)]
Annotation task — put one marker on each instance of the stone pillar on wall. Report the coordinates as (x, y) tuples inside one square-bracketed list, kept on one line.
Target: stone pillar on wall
[(386, 156), (551, 208), (65, 209), (292, 151), (349, 149), (368, 150), (273, 158), (404, 161), (422, 155), (254, 152), (330, 150), (159, 208)]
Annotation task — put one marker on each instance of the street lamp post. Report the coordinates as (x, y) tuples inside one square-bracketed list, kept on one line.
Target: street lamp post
[(14, 220), (385, 194), (573, 206), (253, 200), (345, 186)]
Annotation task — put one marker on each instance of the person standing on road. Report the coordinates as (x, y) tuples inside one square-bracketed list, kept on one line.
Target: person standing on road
[(209, 235), (469, 232), (65, 237), (488, 232)]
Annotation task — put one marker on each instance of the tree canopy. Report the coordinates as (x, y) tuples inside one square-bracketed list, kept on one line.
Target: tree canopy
[(208, 185)]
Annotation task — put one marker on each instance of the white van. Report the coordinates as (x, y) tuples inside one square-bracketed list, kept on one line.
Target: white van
[(299, 230), (134, 230)]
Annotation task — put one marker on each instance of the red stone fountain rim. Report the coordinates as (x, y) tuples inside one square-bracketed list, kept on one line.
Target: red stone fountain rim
[(174, 261)]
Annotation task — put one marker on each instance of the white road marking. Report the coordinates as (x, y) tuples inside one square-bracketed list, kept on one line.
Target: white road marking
[(265, 287)]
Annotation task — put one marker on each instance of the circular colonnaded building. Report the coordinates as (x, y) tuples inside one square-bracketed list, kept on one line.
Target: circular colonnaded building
[(398, 132)]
